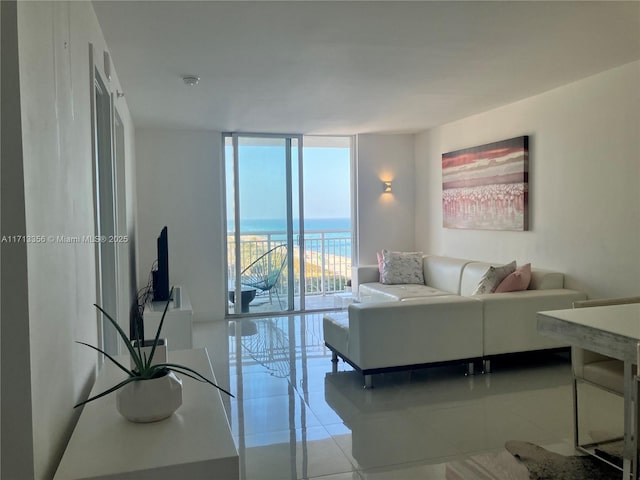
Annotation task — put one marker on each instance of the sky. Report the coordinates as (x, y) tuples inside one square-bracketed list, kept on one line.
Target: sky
[(263, 176)]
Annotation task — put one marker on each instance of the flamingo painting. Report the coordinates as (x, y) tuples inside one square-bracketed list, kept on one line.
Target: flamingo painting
[(486, 187)]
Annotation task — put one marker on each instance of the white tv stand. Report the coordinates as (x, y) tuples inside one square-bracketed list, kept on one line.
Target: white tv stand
[(194, 443), (177, 327)]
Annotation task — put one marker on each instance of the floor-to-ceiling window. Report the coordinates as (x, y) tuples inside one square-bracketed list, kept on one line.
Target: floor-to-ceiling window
[(289, 229), (327, 219)]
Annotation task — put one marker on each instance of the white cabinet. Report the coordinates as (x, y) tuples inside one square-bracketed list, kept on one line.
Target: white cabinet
[(177, 327), (194, 443)]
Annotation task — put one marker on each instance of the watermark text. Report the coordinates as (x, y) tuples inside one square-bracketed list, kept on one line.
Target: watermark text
[(81, 239)]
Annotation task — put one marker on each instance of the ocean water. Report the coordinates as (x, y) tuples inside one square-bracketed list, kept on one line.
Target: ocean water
[(279, 225), (337, 232)]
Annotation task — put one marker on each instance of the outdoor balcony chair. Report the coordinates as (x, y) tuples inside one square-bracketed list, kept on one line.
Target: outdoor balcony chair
[(264, 272)]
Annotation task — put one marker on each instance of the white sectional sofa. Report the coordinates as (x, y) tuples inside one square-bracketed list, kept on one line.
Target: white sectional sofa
[(406, 326)]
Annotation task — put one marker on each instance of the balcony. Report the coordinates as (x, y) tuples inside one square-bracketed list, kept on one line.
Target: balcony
[(327, 268)]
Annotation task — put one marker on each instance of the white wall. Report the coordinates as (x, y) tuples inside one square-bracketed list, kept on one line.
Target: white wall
[(17, 434), (584, 170), (180, 185), (384, 220), (53, 40)]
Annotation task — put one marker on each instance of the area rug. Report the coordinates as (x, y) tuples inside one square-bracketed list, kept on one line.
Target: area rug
[(527, 461), (490, 466), (545, 465)]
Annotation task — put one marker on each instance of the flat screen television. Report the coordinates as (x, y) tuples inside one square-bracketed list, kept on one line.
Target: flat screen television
[(161, 274)]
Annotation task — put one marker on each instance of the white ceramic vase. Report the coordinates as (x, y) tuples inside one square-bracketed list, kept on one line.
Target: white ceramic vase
[(147, 401)]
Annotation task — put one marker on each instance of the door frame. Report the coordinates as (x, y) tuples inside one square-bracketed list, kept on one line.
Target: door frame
[(99, 80)]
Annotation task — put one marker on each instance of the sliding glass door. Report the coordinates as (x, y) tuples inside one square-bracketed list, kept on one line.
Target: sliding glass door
[(263, 212), (289, 229)]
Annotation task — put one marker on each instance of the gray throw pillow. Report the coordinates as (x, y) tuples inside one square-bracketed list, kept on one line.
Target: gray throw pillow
[(492, 278)]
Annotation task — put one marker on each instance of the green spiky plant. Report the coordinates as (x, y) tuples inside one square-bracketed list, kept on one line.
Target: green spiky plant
[(144, 370)]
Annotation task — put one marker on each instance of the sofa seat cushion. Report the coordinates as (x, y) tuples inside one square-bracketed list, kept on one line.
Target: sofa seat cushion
[(377, 292), (608, 373)]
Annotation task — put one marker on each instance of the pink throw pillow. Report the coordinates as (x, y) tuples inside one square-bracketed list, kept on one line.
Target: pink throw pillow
[(516, 281)]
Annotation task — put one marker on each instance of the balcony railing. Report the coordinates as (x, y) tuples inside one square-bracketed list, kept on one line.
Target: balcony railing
[(327, 258)]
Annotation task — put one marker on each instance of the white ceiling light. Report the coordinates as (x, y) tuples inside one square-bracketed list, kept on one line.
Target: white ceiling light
[(191, 80)]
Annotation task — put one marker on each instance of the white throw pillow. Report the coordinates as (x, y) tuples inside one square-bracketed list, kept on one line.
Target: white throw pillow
[(401, 267), (492, 278)]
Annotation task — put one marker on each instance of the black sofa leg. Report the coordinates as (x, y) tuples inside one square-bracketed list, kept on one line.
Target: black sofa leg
[(471, 368), (334, 362), (486, 366)]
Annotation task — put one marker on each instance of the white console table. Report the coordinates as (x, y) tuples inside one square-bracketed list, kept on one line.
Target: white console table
[(194, 443), (177, 327)]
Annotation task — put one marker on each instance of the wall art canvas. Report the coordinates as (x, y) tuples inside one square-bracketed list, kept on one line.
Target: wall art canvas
[(486, 187)]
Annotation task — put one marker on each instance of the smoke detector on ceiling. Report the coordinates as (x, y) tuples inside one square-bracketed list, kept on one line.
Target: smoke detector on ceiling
[(191, 80)]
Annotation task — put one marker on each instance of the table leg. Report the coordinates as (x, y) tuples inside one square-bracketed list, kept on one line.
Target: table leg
[(630, 460), (636, 424), (244, 305)]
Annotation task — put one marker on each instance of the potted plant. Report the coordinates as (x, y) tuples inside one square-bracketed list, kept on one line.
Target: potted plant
[(151, 391)]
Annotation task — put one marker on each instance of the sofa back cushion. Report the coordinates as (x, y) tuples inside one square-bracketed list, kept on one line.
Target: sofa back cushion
[(545, 279), (443, 273), (540, 279)]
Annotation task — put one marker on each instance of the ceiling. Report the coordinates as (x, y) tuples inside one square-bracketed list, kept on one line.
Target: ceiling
[(347, 67)]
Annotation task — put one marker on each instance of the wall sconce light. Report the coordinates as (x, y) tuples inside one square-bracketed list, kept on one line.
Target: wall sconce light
[(386, 187), (191, 80)]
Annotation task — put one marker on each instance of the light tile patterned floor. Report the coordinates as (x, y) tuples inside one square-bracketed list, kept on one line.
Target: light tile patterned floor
[(293, 418)]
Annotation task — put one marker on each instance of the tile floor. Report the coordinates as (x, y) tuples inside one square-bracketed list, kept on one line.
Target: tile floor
[(292, 418)]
